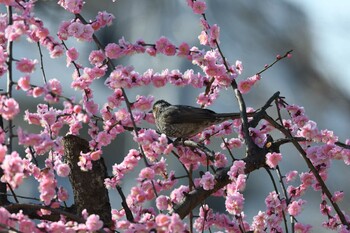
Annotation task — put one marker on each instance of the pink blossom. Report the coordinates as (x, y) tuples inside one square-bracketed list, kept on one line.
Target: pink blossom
[(239, 67), (72, 55), (190, 3), (95, 155), (7, 2), (96, 57), (290, 176), (328, 137), (26, 65), (153, 144), (28, 139), (220, 160), (214, 70), (62, 194), (9, 107), (85, 163), (259, 222), (137, 196), (32, 118), (103, 19), (203, 38), (162, 202), (39, 33), (113, 51), (295, 110), (163, 45), (116, 98), (309, 130), (111, 183), (223, 79), (275, 206), (302, 228), (3, 150), (237, 185), (87, 34), (75, 29), (4, 216), (93, 223), (103, 138), (47, 186), (338, 196), (294, 208), (49, 117), (207, 181), (119, 78), (176, 78), (143, 103), (307, 178), (340, 229), (151, 51), (54, 85), (196, 80), (63, 30), (63, 170), (25, 224), (237, 168), (176, 224), (214, 35), (159, 80), (56, 50), (73, 6), (38, 91), (231, 144), (128, 164), (272, 159), (170, 50), (14, 168), (3, 56), (234, 203), (199, 7), (184, 50), (91, 107), (24, 83), (146, 173), (205, 99), (178, 194), (245, 86), (162, 220), (2, 136), (258, 137), (14, 31)]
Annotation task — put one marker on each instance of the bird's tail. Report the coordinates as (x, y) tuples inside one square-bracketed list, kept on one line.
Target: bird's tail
[(232, 116)]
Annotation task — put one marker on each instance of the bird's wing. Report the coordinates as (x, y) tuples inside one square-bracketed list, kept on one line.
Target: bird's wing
[(179, 114)]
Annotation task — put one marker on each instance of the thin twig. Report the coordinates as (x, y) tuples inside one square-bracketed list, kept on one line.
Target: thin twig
[(42, 63), (273, 63)]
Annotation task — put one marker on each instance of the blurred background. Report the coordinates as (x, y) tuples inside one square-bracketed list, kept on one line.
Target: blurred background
[(316, 77)]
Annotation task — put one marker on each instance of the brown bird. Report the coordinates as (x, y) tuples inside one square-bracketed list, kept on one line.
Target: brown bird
[(182, 121)]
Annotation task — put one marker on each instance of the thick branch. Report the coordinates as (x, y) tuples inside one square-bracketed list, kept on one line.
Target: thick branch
[(88, 187), (197, 196), (31, 210)]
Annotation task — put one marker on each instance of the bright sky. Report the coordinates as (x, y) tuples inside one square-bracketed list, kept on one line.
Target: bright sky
[(330, 28)]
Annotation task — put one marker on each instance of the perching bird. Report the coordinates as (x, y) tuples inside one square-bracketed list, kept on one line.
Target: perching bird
[(182, 121)]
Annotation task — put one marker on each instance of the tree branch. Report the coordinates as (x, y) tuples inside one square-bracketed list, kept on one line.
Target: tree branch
[(88, 186)]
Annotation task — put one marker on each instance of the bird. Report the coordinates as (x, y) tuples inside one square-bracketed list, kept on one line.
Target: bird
[(182, 121)]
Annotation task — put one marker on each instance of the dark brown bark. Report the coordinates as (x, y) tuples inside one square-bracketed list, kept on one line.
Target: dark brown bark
[(88, 186)]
